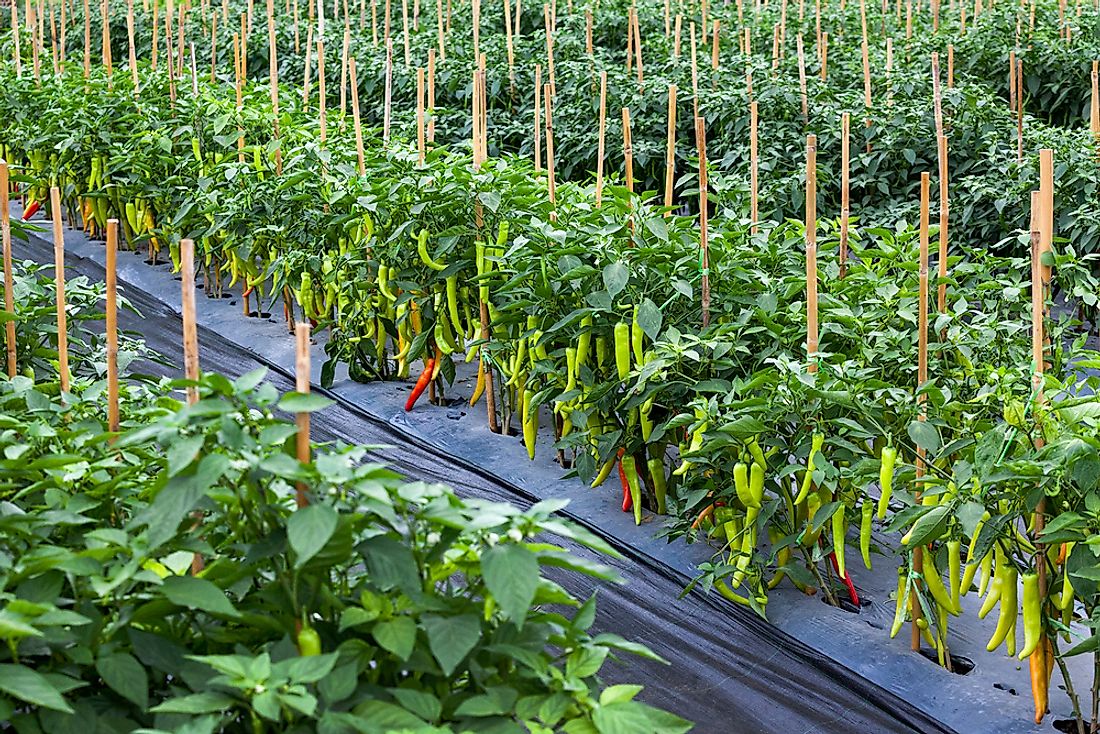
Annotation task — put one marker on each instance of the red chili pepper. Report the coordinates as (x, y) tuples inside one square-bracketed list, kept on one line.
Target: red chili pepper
[(31, 210), (628, 505), (421, 384), (852, 595)]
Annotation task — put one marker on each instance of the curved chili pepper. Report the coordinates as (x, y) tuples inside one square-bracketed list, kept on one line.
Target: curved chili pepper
[(852, 595), (31, 210), (421, 384), (628, 503)]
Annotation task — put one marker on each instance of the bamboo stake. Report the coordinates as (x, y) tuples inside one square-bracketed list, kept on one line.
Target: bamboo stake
[(588, 49), (509, 46), (694, 75), (600, 137), (360, 157), (811, 253), (549, 49), (950, 66), (388, 100), (419, 116), (1046, 222), (302, 385), (676, 36), (638, 48), (1094, 107), (111, 329), (936, 103), (344, 48), (845, 180), (670, 149), (88, 38), (1019, 111), (107, 39), (1012, 81), (9, 285), (405, 30), (825, 56), (547, 95), (754, 167), (431, 95), (704, 254), (61, 39), (59, 276), (190, 328), (713, 52), (628, 150), (748, 64), (941, 257), (53, 43), (802, 80), (214, 46), (15, 50), (538, 117), (922, 378), (273, 72), (864, 51), (35, 60)]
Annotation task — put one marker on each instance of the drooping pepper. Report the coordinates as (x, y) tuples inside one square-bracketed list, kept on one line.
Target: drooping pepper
[(934, 583), (840, 528), (309, 642), (622, 350), (886, 479), (630, 466), (421, 383), (867, 514), (954, 561), (900, 600), (1006, 621), (1033, 615), (530, 422), (656, 468), (807, 480)]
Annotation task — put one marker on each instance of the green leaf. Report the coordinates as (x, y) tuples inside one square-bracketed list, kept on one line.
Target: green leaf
[(925, 436), (310, 668), (126, 677), (657, 226), (196, 593), (297, 402), (397, 635), (451, 638), (619, 693), (615, 278), (512, 575), (391, 564), (930, 526), (309, 529), (179, 496), (631, 717), (649, 319), (421, 703), (21, 682), (196, 703)]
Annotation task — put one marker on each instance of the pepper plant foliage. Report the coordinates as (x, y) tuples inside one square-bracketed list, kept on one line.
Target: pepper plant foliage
[(430, 613)]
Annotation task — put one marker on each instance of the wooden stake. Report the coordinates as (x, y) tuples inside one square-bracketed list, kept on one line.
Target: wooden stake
[(1094, 107), (344, 49), (431, 95), (419, 116), (273, 72), (214, 46), (811, 252), (694, 74), (59, 276), (824, 56), (802, 80), (950, 66), (628, 150), (600, 137), (936, 98), (941, 257), (676, 36), (509, 45), (670, 150), (845, 179), (704, 254), (754, 167), (111, 328), (1019, 111), (387, 102), (864, 51), (538, 117), (9, 285), (15, 32), (405, 30), (547, 95), (1046, 222), (713, 51), (88, 38), (549, 49), (302, 385), (359, 154), (190, 327), (638, 48)]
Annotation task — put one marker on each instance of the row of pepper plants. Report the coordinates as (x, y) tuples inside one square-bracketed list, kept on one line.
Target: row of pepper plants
[(588, 317), (383, 604)]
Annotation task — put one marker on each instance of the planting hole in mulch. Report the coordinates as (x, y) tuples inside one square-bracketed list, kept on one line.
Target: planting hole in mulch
[(844, 603), (959, 665), (1003, 687)]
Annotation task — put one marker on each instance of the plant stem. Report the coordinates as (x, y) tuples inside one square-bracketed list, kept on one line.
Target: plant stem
[(1069, 686)]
